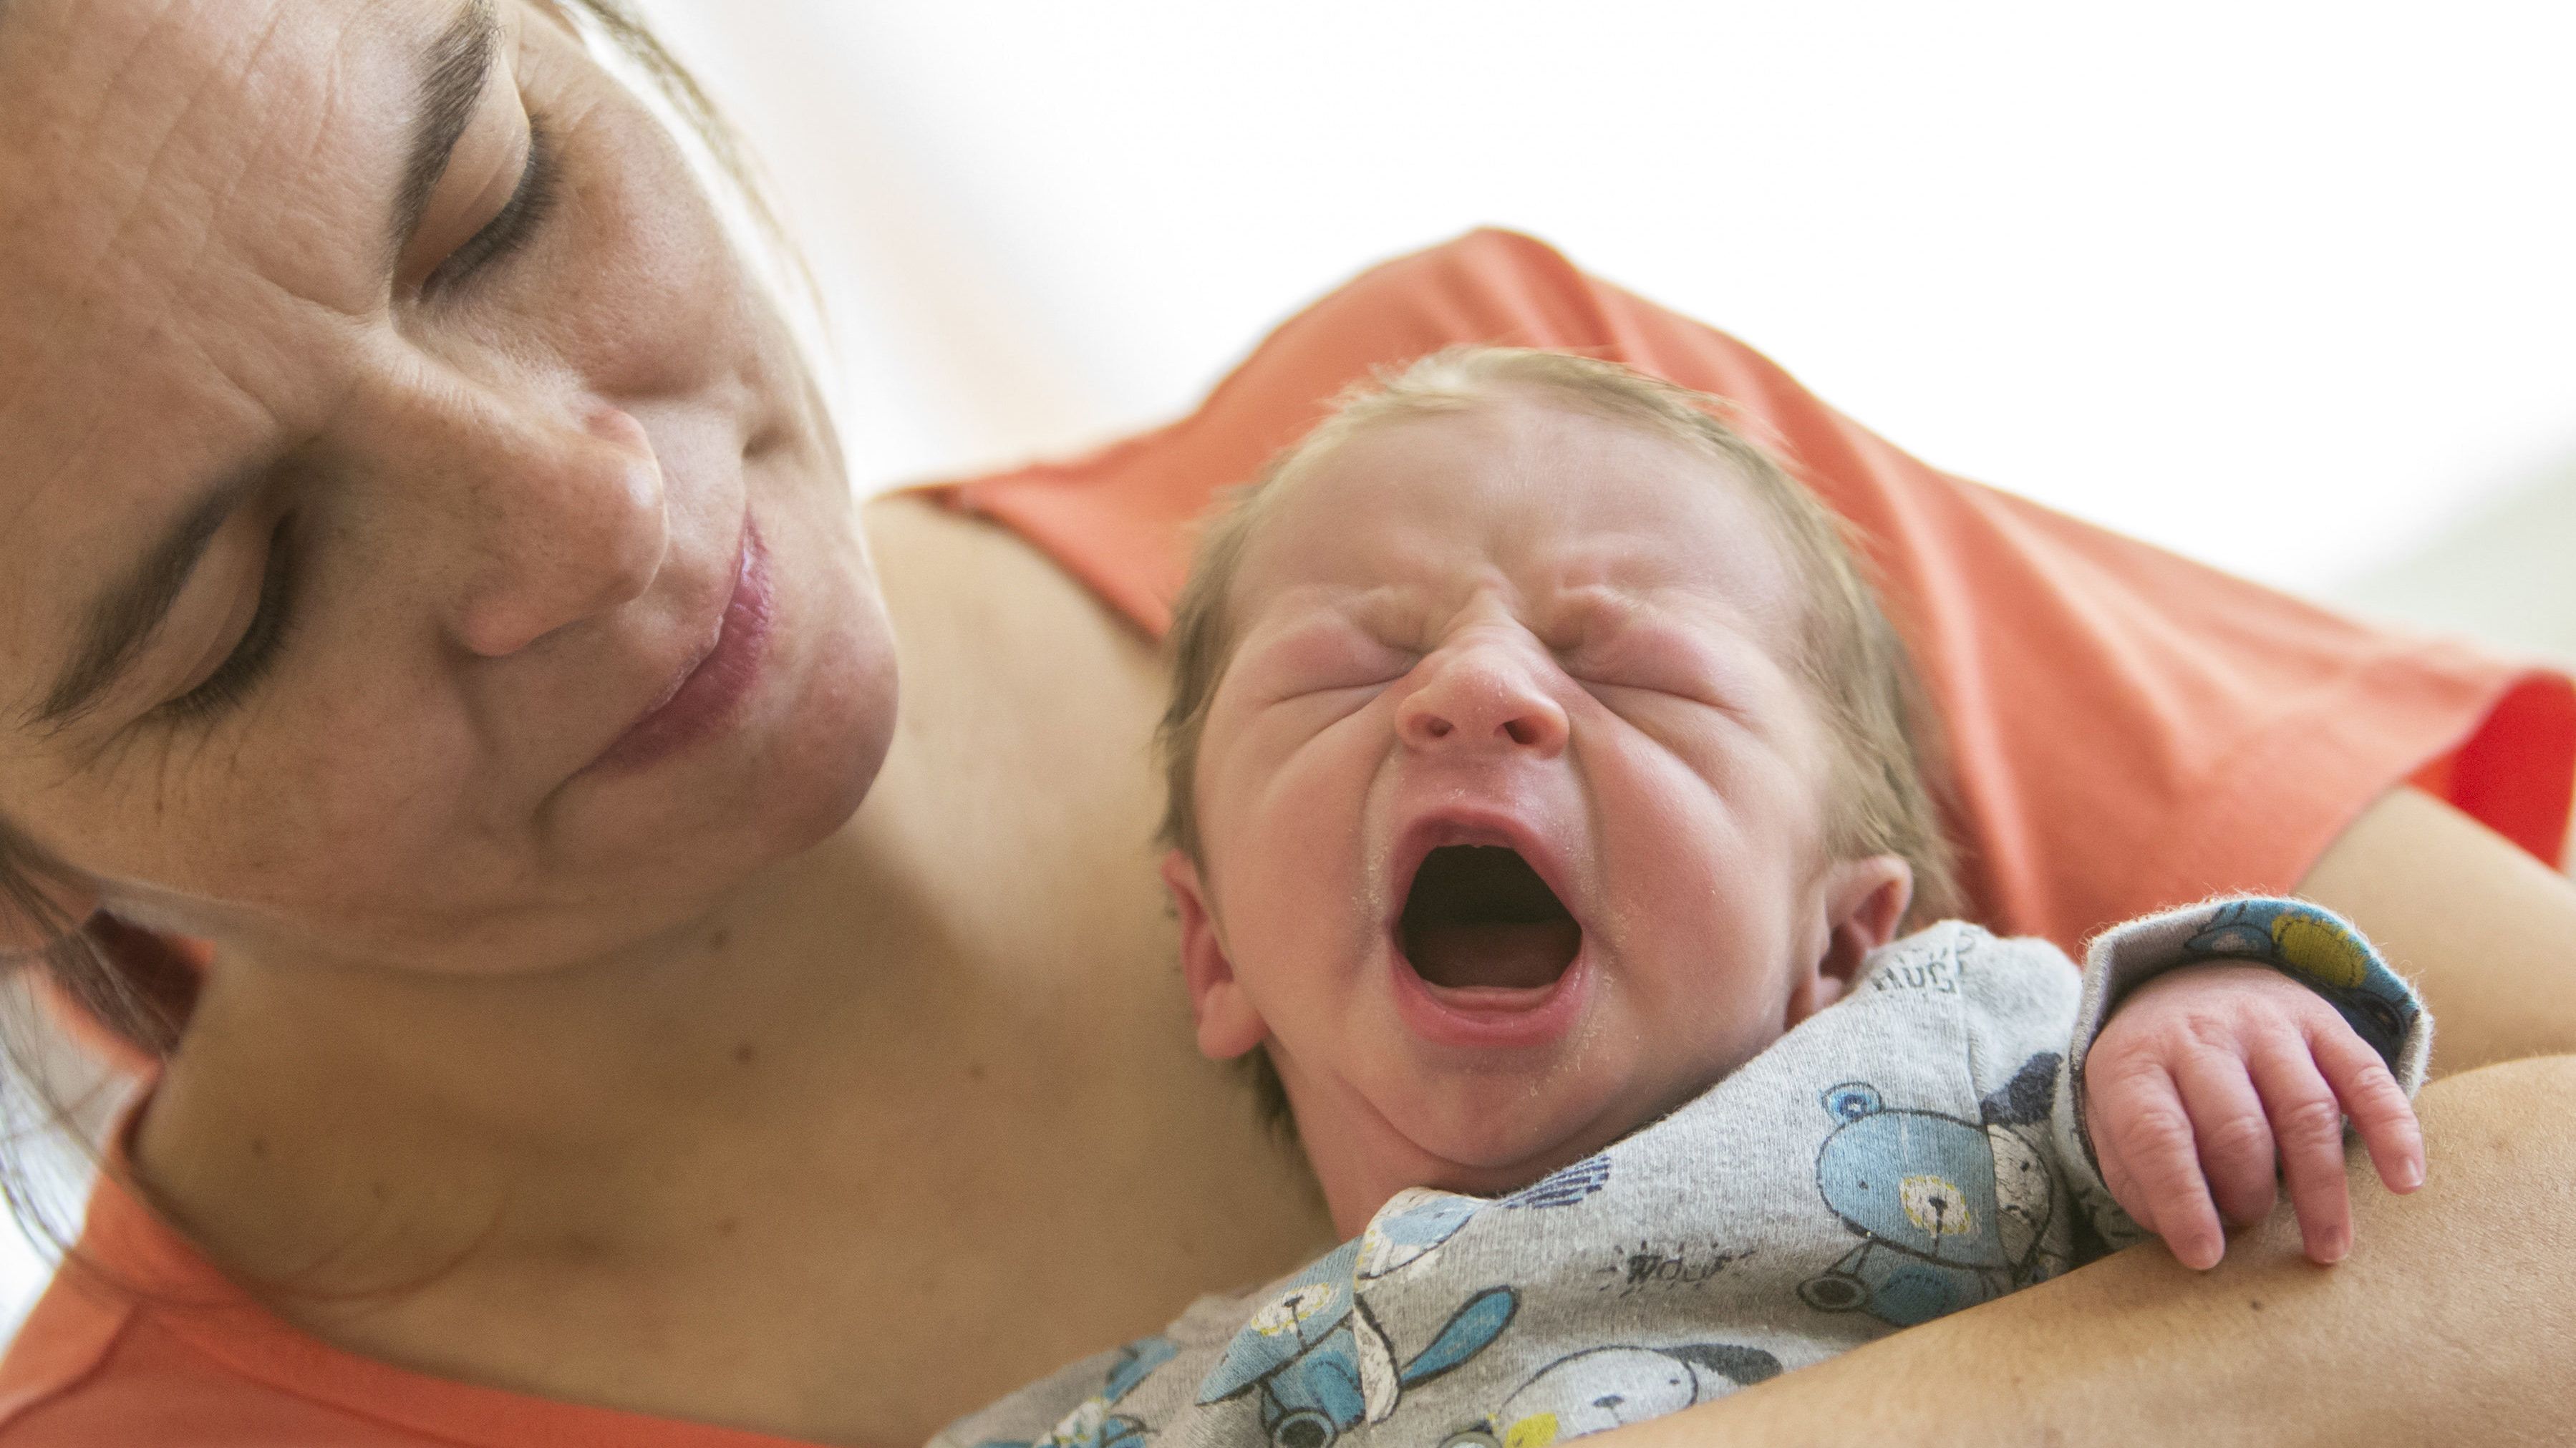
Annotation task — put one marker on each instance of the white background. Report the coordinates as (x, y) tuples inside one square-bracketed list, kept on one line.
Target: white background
[(2288, 287)]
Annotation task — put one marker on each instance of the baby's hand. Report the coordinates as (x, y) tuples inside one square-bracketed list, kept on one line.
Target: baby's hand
[(2208, 1075)]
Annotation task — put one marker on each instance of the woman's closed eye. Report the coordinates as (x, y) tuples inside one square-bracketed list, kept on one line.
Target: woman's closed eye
[(263, 637), (255, 653), (514, 224)]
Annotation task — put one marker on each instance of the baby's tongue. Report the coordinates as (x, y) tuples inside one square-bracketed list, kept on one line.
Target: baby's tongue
[(1519, 955)]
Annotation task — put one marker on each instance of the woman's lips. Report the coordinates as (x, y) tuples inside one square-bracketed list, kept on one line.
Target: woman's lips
[(707, 698)]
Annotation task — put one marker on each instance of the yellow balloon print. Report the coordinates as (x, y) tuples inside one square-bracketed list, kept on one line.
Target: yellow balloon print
[(1538, 1430), (2319, 951)]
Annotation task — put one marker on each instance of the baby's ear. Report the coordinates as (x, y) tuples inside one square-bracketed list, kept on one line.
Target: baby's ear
[(1228, 1026), (1864, 902)]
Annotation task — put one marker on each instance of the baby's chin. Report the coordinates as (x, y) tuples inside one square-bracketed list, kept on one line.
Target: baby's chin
[(1500, 1175), (1480, 1143), (1490, 1136)]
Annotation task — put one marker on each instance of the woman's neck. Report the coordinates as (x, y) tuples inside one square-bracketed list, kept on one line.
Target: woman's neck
[(432, 1144)]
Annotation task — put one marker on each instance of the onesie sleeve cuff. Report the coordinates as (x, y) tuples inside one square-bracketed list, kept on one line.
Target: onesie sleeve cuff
[(2308, 943)]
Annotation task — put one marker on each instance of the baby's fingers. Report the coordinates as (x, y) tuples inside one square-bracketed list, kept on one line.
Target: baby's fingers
[(2376, 1104), (2307, 1123), (2151, 1161), (2235, 1132)]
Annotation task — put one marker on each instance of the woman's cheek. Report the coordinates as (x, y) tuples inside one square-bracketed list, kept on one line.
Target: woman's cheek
[(368, 778), (631, 281), (651, 319)]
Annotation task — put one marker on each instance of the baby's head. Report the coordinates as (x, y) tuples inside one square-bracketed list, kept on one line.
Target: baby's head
[(1537, 755)]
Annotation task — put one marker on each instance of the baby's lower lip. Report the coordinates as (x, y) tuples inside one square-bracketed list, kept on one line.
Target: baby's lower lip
[(1486, 1017)]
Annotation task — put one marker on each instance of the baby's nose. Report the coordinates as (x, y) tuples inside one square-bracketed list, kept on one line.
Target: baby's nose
[(1482, 697)]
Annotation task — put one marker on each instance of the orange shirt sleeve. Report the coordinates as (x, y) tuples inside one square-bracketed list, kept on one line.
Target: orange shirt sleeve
[(2127, 729)]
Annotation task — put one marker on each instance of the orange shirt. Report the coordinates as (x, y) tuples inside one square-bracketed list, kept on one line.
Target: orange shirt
[(2127, 730)]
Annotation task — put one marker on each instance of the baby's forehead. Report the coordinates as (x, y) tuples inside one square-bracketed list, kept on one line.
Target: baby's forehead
[(1526, 491)]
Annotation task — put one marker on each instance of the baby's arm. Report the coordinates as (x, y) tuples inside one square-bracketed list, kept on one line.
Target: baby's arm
[(2209, 1078)]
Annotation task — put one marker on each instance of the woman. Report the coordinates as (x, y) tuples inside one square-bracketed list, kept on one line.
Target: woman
[(428, 577)]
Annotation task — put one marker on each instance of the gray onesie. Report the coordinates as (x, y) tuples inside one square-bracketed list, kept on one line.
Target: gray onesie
[(1915, 1149)]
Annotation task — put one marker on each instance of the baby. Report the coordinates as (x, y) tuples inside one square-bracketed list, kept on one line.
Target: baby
[(1545, 819)]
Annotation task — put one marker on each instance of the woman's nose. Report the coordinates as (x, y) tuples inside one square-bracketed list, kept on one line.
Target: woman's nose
[(573, 526), (1482, 696)]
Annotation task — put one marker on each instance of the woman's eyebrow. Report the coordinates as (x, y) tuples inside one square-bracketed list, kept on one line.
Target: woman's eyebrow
[(458, 65), (125, 616)]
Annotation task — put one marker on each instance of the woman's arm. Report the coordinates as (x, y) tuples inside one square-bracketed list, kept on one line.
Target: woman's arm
[(2453, 1320)]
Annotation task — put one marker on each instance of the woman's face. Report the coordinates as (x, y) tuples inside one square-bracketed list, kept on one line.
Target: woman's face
[(418, 541)]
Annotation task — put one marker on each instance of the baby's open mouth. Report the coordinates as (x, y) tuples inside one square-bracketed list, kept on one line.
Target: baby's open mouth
[(1478, 915)]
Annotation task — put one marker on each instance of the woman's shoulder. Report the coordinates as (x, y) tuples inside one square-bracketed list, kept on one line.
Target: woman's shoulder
[(1017, 685), (1013, 676)]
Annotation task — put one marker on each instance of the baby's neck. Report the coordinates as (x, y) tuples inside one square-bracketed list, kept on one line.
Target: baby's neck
[(1361, 1164)]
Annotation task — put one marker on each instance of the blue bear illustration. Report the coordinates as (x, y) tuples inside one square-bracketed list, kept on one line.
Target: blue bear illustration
[(1321, 1365), (2315, 947), (1940, 1229)]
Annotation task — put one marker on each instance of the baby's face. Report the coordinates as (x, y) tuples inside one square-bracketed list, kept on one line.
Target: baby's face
[(1509, 802)]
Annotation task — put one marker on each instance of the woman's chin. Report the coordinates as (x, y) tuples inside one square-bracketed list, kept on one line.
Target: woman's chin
[(782, 777), (828, 752)]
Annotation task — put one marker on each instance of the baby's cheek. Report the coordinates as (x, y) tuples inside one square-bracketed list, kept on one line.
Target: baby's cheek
[(1701, 919), (1666, 847), (1283, 836)]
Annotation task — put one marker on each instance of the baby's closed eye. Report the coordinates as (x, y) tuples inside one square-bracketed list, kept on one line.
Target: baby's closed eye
[(1618, 645), (1323, 658), (1654, 669)]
